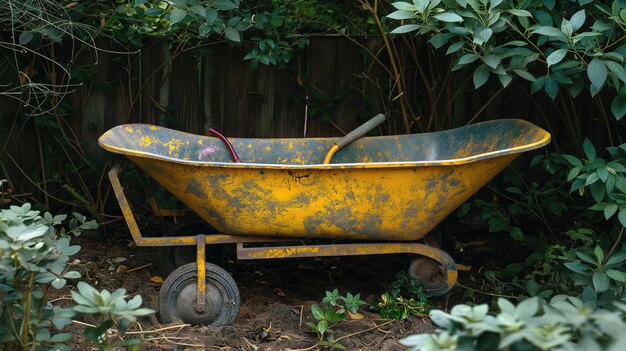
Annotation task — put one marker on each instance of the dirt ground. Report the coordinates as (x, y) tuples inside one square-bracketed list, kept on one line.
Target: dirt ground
[(276, 296)]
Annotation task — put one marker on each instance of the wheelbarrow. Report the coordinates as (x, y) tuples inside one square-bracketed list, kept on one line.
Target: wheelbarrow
[(383, 193)]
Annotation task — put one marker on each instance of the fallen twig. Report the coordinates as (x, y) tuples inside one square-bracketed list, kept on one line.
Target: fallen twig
[(365, 330), (138, 268)]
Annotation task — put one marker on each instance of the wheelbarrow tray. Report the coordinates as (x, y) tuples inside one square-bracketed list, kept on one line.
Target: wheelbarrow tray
[(389, 188)]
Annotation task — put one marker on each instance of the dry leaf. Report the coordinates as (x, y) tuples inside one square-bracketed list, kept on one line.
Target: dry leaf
[(156, 280), (355, 315)]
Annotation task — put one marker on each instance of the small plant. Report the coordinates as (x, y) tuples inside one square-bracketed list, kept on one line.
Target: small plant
[(566, 323), (115, 310), (335, 308), (406, 297)]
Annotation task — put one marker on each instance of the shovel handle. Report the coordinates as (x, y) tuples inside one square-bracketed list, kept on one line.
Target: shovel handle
[(361, 130), (354, 135)]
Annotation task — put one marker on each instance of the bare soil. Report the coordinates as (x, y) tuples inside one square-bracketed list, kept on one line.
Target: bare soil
[(276, 296)]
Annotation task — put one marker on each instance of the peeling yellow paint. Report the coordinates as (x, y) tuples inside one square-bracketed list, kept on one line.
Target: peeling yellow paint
[(129, 129), (174, 145), (154, 127), (199, 141), (286, 252), (145, 141)]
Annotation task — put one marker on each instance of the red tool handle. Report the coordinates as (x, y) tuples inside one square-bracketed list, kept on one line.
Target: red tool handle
[(228, 144)]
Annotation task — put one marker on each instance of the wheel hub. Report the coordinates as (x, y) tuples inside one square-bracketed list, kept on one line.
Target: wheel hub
[(186, 305)]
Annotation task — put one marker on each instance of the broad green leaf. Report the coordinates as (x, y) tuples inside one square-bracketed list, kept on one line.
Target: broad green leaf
[(556, 56), (585, 257), (597, 189), (616, 258), (405, 29), (601, 282), (448, 17), (232, 34), (505, 79), (455, 47), (610, 210), (63, 337), (482, 36), (225, 5), (616, 275), (198, 10), (72, 275), (618, 106), (599, 253), (524, 74), (439, 40), (178, 16), (527, 308), (211, 16), (401, 15), (317, 312), (616, 69), (573, 173), (404, 6), (622, 217), (549, 31), (516, 234), (600, 206), (481, 75), (589, 149), (43, 335), (597, 72), (468, 58), (552, 87), (577, 20), (519, 13), (492, 60), (58, 283), (566, 28), (549, 4), (577, 267), (154, 12)]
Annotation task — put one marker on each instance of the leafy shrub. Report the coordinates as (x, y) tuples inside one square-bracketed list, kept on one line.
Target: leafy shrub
[(574, 44), (35, 257), (566, 323)]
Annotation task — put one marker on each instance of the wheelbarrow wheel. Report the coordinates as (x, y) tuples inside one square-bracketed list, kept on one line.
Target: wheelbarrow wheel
[(432, 275), (177, 298), (171, 257)]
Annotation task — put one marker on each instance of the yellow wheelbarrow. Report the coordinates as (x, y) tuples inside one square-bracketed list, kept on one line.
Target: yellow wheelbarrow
[(385, 193)]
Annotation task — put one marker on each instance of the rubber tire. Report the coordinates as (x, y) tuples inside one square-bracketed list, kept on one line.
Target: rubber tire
[(184, 279), (171, 257), (432, 275)]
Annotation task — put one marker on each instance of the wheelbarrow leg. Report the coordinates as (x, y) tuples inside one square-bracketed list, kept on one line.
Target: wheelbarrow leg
[(201, 287)]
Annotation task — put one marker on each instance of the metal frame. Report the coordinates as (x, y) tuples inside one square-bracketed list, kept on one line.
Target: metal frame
[(268, 252)]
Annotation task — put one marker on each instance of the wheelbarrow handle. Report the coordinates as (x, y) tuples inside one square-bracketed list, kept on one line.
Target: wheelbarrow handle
[(354, 135)]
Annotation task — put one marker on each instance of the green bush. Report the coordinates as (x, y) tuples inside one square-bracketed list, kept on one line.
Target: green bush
[(34, 258), (566, 323), (557, 45)]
